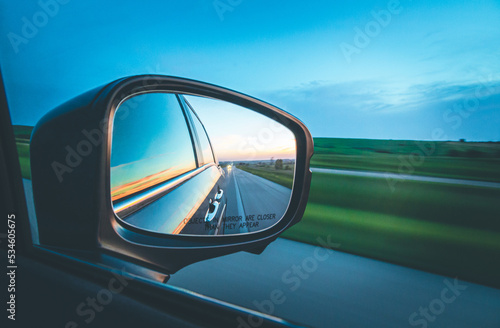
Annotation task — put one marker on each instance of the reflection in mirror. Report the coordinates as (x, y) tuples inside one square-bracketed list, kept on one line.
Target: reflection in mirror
[(198, 166)]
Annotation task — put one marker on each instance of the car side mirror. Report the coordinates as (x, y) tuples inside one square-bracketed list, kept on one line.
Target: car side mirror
[(198, 166), (167, 171)]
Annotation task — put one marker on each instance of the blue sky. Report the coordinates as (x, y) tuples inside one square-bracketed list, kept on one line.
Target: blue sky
[(246, 135), (431, 65)]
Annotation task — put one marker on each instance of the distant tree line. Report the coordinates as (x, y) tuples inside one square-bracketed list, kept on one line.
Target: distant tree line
[(472, 153)]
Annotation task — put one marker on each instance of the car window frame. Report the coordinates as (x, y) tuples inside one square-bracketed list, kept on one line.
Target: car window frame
[(190, 110), (10, 170)]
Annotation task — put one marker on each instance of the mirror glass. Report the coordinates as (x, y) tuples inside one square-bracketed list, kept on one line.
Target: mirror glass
[(198, 166)]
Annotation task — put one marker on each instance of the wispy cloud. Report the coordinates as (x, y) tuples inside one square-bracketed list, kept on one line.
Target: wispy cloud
[(370, 96), (370, 107)]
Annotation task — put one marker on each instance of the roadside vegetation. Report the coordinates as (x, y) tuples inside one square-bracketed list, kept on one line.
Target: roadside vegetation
[(448, 159), (443, 228), (282, 176), (448, 229), (22, 135)]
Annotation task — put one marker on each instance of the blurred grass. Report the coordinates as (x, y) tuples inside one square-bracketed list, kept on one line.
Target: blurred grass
[(448, 229), (462, 160), (23, 151), (281, 177), (22, 134)]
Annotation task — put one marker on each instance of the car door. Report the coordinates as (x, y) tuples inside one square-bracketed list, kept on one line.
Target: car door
[(209, 220), (177, 172)]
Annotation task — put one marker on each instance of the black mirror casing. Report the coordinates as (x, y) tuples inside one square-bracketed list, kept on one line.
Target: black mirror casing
[(70, 167)]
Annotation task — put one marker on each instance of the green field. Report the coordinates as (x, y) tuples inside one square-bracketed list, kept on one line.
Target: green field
[(448, 229), (464, 160), (281, 177), (22, 135), (452, 230)]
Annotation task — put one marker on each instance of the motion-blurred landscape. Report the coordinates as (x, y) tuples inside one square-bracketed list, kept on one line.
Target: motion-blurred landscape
[(447, 228), (443, 225)]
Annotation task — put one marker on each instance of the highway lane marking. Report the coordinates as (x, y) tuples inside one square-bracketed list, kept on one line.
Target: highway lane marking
[(219, 224), (239, 202)]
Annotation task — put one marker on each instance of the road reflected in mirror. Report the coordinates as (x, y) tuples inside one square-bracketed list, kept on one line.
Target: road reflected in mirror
[(198, 166)]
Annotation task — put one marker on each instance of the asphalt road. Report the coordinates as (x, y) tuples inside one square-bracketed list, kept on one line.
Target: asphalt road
[(259, 202), (396, 176), (317, 288), (307, 285)]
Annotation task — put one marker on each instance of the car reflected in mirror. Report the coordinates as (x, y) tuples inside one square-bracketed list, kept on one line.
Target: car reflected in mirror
[(193, 165)]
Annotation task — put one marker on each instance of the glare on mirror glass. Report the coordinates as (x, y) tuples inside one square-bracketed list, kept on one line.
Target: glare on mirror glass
[(198, 166)]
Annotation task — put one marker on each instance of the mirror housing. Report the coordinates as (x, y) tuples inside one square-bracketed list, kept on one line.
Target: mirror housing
[(70, 167)]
